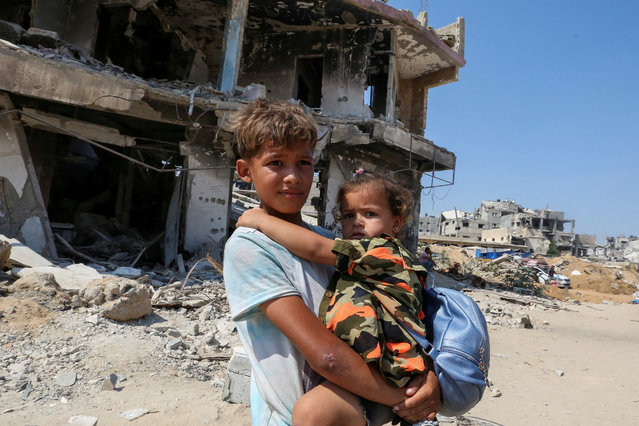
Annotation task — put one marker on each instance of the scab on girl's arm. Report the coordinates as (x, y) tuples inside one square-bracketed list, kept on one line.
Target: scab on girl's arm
[(298, 240)]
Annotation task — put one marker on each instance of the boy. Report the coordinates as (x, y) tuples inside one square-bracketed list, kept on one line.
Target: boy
[(274, 296)]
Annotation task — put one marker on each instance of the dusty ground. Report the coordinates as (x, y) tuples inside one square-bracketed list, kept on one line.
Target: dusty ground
[(594, 345), (577, 365)]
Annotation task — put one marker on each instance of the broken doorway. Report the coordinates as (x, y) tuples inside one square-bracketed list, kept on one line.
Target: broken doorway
[(308, 79)]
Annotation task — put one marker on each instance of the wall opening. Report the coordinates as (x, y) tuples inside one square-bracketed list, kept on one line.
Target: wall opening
[(308, 79), (136, 42), (107, 207), (377, 73)]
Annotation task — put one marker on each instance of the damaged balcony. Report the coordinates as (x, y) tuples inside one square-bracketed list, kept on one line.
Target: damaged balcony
[(118, 111)]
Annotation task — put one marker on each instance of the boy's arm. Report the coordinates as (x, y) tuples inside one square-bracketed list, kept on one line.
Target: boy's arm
[(298, 240), (327, 354), (336, 361)]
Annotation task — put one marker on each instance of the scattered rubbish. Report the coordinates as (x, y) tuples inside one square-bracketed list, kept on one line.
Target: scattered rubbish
[(559, 373)]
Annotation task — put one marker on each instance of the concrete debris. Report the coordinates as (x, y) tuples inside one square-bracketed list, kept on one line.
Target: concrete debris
[(238, 379), (23, 256), (120, 299), (127, 272), (44, 289), (66, 378), (174, 344), (56, 364), (72, 277), (83, 421), (109, 382), (136, 413)]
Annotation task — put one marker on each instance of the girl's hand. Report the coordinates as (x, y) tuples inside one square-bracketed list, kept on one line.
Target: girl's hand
[(252, 218)]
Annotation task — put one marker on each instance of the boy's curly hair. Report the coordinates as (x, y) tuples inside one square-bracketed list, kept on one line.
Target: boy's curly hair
[(399, 198), (264, 121)]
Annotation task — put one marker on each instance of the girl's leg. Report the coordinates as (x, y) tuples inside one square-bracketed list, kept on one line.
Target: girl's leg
[(328, 405)]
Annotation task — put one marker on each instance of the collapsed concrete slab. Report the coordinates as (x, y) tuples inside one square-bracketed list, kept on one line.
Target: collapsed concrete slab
[(73, 277)]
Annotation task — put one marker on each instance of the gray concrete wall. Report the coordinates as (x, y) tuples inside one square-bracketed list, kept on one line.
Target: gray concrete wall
[(22, 211), (208, 195)]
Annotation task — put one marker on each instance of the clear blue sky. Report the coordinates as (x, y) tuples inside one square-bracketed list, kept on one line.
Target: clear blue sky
[(546, 110)]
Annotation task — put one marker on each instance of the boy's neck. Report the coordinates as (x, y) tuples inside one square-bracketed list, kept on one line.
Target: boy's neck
[(295, 218)]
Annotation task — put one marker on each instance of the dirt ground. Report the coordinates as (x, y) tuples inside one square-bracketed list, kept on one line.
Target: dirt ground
[(577, 365)]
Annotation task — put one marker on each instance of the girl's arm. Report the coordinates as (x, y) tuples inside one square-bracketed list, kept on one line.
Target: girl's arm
[(298, 240)]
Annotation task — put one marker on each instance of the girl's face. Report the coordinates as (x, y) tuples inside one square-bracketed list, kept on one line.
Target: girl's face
[(366, 213)]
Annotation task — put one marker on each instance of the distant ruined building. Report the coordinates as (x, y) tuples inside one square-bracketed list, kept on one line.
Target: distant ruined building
[(508, 223)]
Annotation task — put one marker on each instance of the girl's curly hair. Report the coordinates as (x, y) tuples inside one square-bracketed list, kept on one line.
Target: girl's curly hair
[(399, 198)]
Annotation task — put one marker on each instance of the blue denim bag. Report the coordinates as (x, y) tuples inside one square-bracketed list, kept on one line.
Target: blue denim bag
[(458, 343)]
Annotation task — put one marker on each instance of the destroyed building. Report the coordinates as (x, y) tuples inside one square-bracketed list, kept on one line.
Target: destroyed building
[(115, 114), (506, 222), (622, 248), (460, 224), (428, 225)]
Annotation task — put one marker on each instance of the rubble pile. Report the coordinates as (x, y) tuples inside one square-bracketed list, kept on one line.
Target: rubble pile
[(58, 344), (587, 277)]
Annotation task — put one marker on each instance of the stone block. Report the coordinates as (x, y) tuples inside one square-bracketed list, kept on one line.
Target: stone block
[(238, 380)]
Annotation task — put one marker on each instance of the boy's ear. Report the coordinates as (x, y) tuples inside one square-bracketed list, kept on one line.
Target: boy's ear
[(243, 170), (398, 221)]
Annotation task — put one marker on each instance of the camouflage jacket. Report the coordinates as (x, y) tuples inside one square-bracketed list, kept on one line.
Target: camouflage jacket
[(377, 286)]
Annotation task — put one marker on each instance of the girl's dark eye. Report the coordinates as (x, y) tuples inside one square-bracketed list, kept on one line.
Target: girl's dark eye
[(348, 216), (371, 214), (275, 163)]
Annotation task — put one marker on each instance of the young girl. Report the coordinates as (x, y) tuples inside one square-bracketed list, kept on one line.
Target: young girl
[(375, 293)]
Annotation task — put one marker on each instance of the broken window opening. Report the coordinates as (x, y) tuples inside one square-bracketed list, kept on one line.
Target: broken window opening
[(308, 79), (377, 83), (377, 72)]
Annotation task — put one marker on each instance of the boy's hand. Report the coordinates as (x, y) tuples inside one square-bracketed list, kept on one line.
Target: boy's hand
[(252, 218), (422, 398)]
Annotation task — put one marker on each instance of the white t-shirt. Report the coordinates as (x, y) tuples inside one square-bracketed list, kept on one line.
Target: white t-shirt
[(256, 270)]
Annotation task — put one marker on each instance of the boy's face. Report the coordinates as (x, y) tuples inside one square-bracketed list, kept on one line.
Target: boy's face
[(366, 213), (282, 177)]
